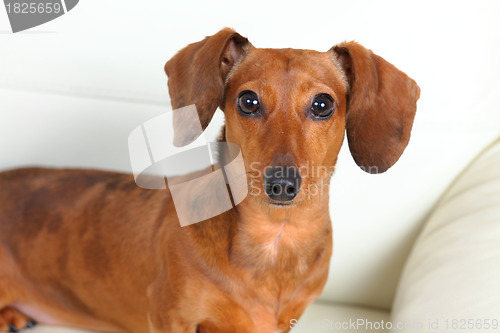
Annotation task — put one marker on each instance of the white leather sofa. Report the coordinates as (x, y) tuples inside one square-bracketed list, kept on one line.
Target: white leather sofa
[(418, 244)]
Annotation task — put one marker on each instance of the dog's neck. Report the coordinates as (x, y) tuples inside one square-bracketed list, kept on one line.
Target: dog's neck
[(269, 236), (270, 244)]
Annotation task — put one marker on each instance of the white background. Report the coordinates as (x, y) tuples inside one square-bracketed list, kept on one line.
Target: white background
[(72, 89)]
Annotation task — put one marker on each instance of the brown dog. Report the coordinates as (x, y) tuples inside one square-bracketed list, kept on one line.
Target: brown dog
[(90, 249)]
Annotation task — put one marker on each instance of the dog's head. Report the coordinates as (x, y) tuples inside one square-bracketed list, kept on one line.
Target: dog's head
[(288, 109)]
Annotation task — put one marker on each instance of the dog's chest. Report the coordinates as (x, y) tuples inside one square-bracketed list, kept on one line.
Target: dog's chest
[(272, 302), (274, 317)]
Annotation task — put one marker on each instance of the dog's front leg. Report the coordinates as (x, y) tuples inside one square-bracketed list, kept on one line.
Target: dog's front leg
[(194, 305), (164, 315)]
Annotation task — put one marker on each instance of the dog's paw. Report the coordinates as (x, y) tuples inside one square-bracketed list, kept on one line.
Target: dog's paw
[(13, 321)]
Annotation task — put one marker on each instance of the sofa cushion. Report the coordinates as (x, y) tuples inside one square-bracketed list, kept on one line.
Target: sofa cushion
[(320, 317), (452, 276), (52, 329), (327, 317)]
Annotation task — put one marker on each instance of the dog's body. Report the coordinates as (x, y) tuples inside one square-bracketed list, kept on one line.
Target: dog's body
[(91, 267), (90, 249)]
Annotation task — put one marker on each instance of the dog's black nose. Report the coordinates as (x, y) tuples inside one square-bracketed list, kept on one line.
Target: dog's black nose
[(282, 183)]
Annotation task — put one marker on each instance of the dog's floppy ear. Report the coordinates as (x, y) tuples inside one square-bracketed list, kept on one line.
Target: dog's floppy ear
[(197, 74), (381, 105)]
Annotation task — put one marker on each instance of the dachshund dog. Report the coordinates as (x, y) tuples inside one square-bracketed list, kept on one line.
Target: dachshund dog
[(92, 250)]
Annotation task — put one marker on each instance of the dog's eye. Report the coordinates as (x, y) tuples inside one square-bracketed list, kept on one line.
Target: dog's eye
[(323, 106), (248, 102)]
